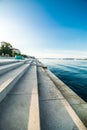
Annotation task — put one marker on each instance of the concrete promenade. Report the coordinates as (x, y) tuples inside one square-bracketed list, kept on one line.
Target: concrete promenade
[(36, 103)]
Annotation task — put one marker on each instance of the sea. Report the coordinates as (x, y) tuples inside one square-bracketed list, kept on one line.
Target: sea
[(72, 72)]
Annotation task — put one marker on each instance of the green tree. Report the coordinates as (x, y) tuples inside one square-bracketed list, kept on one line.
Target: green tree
[(6, 49)]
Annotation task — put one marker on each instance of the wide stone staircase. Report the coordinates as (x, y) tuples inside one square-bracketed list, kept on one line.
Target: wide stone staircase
[(31, 100)]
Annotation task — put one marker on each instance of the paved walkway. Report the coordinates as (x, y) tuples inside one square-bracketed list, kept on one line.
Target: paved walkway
[(55, 112)]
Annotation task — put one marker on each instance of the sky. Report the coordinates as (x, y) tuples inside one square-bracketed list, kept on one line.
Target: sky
[(45, 28)]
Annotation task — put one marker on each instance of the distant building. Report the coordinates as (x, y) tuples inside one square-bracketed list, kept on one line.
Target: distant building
[(15, 50)]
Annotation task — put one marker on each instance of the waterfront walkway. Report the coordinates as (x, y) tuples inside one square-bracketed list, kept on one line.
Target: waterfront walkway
[(32, 101)]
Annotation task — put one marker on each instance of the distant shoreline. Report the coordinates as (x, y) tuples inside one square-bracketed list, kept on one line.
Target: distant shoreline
[(66, 58)]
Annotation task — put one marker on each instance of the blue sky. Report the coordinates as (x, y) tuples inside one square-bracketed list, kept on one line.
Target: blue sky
[(45, 28)]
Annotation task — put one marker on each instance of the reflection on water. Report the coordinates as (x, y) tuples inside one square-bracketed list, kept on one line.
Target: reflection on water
[(71, 72)]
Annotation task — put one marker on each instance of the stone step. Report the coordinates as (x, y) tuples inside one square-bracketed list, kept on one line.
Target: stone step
[(5, 62), (8, 81), (21, 104), (9, 67)]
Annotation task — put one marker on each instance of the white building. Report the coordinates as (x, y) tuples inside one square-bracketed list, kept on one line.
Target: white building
[(15, 50)]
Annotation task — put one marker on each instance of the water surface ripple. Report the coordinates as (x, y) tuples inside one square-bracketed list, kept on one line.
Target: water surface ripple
[(71, 72)]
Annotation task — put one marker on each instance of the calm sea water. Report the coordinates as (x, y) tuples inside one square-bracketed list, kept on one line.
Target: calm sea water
[(71, 72)]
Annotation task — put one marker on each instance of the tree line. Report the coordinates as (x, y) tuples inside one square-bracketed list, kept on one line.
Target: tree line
[(6, 49)]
